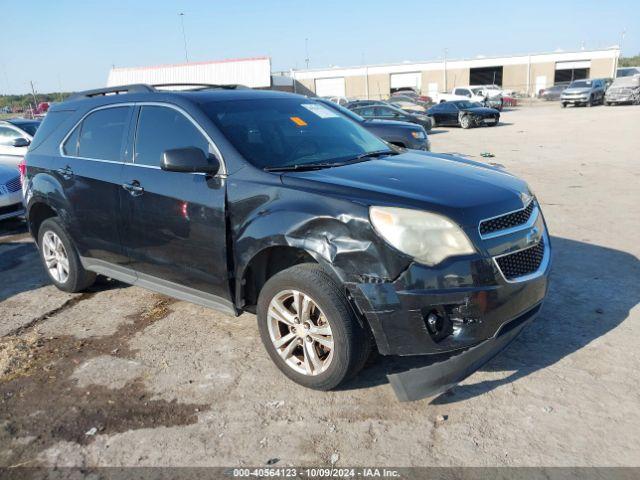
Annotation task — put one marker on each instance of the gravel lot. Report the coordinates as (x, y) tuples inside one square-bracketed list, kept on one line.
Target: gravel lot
[(122, 376)]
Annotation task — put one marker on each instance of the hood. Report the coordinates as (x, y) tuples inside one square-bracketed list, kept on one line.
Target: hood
[(8, 172), (464, 190), (481, 110), (577, 90)]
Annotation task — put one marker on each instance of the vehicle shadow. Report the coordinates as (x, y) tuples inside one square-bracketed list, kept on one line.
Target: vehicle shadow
[(592, 291), (21, 267)]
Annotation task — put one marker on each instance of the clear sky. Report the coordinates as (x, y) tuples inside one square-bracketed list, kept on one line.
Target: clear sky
[(71, 45)]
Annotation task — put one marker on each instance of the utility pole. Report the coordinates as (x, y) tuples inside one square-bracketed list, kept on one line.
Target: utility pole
[(306, 52), (446, 50), (33, 92), (184, 37)]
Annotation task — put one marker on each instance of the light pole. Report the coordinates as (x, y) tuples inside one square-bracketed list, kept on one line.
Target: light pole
[(306, 52), (184, 37)]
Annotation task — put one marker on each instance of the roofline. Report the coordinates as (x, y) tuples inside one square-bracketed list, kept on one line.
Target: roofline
[(613, 52), (189, 64)]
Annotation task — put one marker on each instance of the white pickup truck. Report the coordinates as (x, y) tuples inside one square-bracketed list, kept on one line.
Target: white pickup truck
[(487, 95)]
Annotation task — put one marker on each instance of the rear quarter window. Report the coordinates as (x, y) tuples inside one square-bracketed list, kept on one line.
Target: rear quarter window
[(103, 133), (50, 124)]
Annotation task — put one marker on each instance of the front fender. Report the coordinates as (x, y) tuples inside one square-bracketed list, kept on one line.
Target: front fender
[(335, 231)]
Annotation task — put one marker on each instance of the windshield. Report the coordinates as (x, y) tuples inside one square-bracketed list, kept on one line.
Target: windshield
[(287, 132), (581, 84)]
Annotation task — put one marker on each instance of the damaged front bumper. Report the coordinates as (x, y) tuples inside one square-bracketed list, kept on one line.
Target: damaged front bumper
[(446, 373), (480, 311)]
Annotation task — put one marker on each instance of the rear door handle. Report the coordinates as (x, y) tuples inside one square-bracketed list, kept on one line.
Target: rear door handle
[(65, 172), (133, 188)]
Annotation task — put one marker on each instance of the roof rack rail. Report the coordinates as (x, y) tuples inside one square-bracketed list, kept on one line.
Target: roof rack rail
[(200, 86), (134, 88)]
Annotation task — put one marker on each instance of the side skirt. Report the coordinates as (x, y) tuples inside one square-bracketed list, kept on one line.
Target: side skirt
[(159, 285)]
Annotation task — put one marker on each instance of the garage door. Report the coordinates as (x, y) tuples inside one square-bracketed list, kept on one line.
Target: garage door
[(401, 81), (330, 87)]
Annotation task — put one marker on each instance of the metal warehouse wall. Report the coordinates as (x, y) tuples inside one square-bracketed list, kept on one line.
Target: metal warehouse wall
[(252, 72), (524, 73)]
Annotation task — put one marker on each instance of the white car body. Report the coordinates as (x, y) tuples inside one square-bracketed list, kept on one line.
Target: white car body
[(472, 93), (10, 193), (9, 154)]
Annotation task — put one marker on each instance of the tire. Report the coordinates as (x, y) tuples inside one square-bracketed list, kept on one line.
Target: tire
[(58, 254), (433, 122), (564, 105), (590, 102), (465, 121), (351, 341)]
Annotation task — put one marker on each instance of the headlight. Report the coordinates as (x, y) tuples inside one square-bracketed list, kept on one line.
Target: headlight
[(418, 134), (427, 237)]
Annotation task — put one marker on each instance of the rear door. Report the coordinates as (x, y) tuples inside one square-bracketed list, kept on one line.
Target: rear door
[(174, 230), (89, 171)]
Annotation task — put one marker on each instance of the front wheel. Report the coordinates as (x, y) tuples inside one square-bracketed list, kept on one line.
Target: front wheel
[(465, 121), (309, 329), (590, 102), (564, 105)]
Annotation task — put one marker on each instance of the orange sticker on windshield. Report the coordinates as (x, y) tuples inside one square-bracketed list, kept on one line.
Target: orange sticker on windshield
[(298, 121)]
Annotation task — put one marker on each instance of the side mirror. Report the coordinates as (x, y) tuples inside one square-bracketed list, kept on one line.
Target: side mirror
[(21, 142), (189, 160)]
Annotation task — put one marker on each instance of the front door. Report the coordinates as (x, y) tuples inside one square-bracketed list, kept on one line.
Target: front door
[(173, 227)]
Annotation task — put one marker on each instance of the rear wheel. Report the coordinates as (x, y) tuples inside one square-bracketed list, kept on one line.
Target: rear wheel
[(564, 105), (60, 258), (309, 329)]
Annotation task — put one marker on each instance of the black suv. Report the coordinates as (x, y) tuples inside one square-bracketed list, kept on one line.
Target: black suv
[(272, 203)]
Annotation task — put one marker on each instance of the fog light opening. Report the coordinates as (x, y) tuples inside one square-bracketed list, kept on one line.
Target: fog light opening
[(437, 325)]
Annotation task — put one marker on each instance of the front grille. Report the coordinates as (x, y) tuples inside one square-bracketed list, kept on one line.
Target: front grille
[(13, 185), (509, 220), (522, 263)]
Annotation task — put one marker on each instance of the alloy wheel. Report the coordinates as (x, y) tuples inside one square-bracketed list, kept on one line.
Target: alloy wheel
[(300, 332), (55, 257)]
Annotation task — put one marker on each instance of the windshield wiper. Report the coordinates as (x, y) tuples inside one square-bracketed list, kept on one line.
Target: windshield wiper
[(298, 167), (378, 153)]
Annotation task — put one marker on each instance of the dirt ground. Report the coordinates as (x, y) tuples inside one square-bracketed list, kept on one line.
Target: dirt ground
[(119, 376)]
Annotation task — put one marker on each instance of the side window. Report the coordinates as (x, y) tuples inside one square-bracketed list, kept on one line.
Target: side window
[(366, 112), (102, 133), (8, 135), (163, 128), (448, 107)]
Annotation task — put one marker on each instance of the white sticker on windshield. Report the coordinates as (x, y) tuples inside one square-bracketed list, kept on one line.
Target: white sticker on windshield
[(320, 110)]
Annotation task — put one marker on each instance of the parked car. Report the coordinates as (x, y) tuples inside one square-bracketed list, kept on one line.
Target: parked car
[(412, 94), (271, 203), (389, 112), (10, 193), (408, 104), (627, 72), (624, 90), (552, 93), (363, 103), (463, 113), (489, 97), (15, 136), (400, 134), (583, 92), (338, 100)]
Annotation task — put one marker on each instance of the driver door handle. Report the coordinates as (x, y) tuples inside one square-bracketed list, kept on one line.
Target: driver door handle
[(133, 188)]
